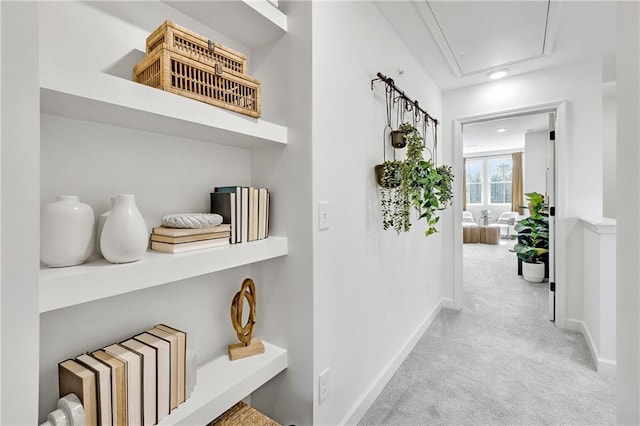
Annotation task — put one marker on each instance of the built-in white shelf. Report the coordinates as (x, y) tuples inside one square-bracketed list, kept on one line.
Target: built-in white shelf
[(221, 383), (98, 279), (251, 22), (107, 99)]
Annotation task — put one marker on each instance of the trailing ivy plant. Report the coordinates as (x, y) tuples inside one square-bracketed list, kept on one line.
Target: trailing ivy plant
[(445, 186), (393, 198), (419, 184)]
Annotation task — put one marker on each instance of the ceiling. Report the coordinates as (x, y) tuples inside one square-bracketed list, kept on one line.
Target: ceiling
[(483, 137), (504, 33), (459, 41)]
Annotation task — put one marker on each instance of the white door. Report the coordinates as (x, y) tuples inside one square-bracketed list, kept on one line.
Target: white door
[(551, 200)]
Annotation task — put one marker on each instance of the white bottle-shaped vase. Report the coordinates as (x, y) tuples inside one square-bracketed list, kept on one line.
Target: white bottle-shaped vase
[(67, 232), (124, 235), (102, 218)]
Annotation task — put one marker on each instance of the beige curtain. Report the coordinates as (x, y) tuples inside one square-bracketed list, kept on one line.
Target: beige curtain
[(517, 195), (464, 184)]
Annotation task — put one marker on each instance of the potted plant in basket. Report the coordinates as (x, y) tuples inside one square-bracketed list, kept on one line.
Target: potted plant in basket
[(533, 239), (420, 184)]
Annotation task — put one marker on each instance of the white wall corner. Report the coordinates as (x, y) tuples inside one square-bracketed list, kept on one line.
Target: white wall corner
[(603, 366), (373, 390), (447, 303)]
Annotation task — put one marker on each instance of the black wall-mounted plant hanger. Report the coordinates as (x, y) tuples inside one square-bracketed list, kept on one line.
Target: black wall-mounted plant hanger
[(396, 96), (407, 103)]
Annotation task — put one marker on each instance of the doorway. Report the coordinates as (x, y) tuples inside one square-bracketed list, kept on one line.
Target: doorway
[(492, 197)]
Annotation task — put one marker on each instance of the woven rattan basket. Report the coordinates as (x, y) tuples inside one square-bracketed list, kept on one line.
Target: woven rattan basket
[(196, 47), (242, 414), (173, 72)]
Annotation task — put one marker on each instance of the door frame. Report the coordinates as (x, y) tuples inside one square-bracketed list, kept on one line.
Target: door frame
[(561, 157)]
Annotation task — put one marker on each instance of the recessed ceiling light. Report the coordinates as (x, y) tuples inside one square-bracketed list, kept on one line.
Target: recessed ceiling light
[(501, 130), (498, 74)]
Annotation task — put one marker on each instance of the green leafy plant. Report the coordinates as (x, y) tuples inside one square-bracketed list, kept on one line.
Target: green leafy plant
[(422, 186), (394, 198), (533, 232)]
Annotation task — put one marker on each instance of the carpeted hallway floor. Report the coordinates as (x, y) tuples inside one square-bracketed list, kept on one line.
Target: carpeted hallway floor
[(498, 361)]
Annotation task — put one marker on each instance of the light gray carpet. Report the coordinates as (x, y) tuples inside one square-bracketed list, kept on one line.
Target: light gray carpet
[(498, 361)]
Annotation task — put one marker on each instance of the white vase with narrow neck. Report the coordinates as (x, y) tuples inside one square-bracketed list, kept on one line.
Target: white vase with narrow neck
[(124, 236), (102, 218), (67, 232)]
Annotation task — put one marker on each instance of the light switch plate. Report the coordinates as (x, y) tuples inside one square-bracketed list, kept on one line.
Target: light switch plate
[(323, 215)]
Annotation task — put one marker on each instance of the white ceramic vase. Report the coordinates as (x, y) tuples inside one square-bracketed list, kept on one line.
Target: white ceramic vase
[(124, 235), (67, 232), (102, 218), (533, 272)]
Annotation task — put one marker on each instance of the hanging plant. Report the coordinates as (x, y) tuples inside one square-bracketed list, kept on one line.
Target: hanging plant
[(394, 199), (422, 185), (445, 186), (398, 139), (413, 182)]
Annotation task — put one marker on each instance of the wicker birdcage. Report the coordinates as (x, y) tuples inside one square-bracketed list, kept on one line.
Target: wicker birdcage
[(184, 63)]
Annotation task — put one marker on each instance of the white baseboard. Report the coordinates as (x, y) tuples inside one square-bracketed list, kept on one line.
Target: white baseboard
[(368, 397), (603, 366), (575, 325), (447, 303), (607, 367)]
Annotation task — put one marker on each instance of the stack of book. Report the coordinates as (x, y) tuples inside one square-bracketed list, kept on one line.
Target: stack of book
[(178, 240), (246, 209), (138, 381)]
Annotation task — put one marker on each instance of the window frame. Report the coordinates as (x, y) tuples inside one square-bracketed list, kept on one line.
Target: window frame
[(482, 180), (488, 174)]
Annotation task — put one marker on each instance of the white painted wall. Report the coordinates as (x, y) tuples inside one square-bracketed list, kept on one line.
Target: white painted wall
[(373, 289), (627, 208), (600, 291), (19, 199), (1, 207), (535, 162), (609, 184), (579, 153), (286, 314)]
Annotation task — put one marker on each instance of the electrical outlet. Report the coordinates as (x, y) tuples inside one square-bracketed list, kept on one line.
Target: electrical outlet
[(323, 385)]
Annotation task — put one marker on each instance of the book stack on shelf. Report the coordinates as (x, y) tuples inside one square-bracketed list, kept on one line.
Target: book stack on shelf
[(246, 209), (135, 382), (179, 240)]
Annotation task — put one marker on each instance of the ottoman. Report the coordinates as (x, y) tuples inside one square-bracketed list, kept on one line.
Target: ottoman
[(489, 234), (470, 233)]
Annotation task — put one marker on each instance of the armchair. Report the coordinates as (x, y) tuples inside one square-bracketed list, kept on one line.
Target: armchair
[(467, 218), (506, 223)]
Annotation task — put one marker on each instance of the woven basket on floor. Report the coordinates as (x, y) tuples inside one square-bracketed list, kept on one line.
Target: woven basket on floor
[(242, 414)]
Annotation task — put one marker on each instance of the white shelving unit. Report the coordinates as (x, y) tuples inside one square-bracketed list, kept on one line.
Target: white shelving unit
[(98, 279), (106, 99), (95, 96), (221, 383), (261, 21)]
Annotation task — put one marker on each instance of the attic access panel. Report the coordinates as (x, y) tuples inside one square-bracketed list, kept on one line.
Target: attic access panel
[(477, 36)]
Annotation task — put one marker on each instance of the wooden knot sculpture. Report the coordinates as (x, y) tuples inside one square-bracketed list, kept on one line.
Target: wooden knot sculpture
[(248, 346)]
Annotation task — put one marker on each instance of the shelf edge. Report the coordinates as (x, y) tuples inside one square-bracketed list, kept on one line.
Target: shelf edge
[(111, 100), (201, 409), (270, 12), (100, 280)]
